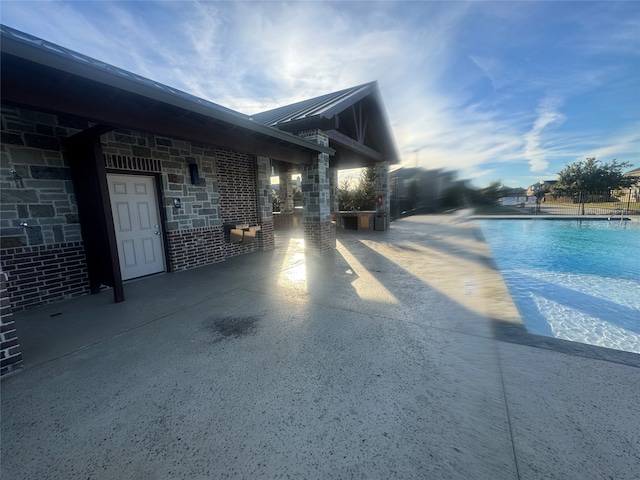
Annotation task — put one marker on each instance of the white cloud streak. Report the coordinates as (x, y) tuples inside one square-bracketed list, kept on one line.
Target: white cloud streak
[(548, 116)]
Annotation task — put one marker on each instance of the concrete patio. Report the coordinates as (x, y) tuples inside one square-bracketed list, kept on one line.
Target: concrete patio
[(398, 356)]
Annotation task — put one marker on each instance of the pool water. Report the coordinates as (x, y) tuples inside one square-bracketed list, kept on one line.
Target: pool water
[(578, 280)]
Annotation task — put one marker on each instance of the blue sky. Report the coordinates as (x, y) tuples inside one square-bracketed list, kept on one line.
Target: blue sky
[(509, 91)]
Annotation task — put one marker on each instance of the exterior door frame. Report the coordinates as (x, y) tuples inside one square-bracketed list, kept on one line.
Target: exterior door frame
[(157, 178)]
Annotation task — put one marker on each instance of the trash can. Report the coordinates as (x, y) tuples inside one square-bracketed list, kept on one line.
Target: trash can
[(380, 222)]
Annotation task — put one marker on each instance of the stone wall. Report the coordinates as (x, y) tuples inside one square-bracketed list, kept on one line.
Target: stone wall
[(316, 217), (41, 242)]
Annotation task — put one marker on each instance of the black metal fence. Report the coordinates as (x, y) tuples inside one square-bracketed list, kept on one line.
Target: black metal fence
[(626, 202)]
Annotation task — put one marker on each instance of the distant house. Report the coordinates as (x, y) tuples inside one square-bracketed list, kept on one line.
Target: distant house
[(533, 190), (514, 196), (632, 193)]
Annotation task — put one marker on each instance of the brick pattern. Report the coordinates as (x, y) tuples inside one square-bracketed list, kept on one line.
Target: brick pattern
[(317, 237), (237, 184), (10, 355), (45, 274), (196, 247), (266, 237), (282, 221)]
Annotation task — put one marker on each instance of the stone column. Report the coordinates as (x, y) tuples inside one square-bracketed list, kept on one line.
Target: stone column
[(333, 190), (382, 188), (316, 219), (286, 193), (266, 238)]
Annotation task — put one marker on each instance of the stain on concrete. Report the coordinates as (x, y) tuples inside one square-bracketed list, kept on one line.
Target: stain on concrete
[(232, 327)]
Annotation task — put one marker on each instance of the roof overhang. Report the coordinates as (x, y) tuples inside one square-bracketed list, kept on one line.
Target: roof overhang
[(45, 77), (355, 120)]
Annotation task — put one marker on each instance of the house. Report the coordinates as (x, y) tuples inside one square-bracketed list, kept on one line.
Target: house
[(107, 176), (632, 194), (532, 190)]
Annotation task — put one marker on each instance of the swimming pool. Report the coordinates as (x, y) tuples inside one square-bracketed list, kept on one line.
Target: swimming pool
[(578, 280)]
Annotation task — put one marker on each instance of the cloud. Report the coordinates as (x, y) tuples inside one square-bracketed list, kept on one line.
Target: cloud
[(548, 115), (432, 61), (498, 73)]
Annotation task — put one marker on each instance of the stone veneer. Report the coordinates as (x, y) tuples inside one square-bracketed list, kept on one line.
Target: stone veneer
[(44, 260), (316, 218)]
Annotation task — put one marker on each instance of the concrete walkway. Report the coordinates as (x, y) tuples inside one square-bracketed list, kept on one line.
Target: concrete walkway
[(398, 356)]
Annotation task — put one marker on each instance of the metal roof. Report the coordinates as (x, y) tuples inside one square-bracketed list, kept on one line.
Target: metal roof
[(335, 114), (39, 51), (323, 106)]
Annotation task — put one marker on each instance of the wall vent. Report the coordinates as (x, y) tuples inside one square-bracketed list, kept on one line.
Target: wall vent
[(137, 164)]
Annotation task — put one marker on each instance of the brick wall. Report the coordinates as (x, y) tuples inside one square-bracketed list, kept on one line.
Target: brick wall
[(45, 273), (237, 184), (282, 221), (318, 237), (196, 247), (10, 356), (266, 238)]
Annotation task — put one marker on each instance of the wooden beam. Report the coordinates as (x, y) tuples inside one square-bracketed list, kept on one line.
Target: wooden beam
[(88, 172), (354, 145)]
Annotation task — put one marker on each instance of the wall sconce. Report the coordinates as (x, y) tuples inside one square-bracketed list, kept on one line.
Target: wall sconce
[(177, 203), (195, 176)]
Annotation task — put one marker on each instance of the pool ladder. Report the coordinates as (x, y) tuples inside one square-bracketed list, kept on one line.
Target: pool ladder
[(621, 212)]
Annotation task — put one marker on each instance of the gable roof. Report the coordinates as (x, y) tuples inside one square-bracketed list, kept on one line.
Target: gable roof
[(33, 68), (355, 120), (325, 106)]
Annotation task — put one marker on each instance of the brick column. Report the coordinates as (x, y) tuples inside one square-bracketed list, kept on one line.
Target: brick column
[(382, 188), (11, 357), (266, 238), (316, 217)]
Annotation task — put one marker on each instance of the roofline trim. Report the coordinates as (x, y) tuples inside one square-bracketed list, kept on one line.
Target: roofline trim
[(34, 49)]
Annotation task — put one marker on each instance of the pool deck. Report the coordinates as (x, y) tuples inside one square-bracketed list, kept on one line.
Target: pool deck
[(398, 356)]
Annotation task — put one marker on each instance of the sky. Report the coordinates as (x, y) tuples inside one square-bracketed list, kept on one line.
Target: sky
[(504, 91)]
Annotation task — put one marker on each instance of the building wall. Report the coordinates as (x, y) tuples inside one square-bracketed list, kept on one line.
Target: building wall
[(10, 354), (43, 258), (44, 261)]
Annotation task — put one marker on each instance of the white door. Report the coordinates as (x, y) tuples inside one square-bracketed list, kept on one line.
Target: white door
[(137, 223)]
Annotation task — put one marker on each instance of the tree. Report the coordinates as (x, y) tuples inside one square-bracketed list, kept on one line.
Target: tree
[(592, 176), (456, 196), (365, 198), (360, 197), (491, 194), (346, 195)]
